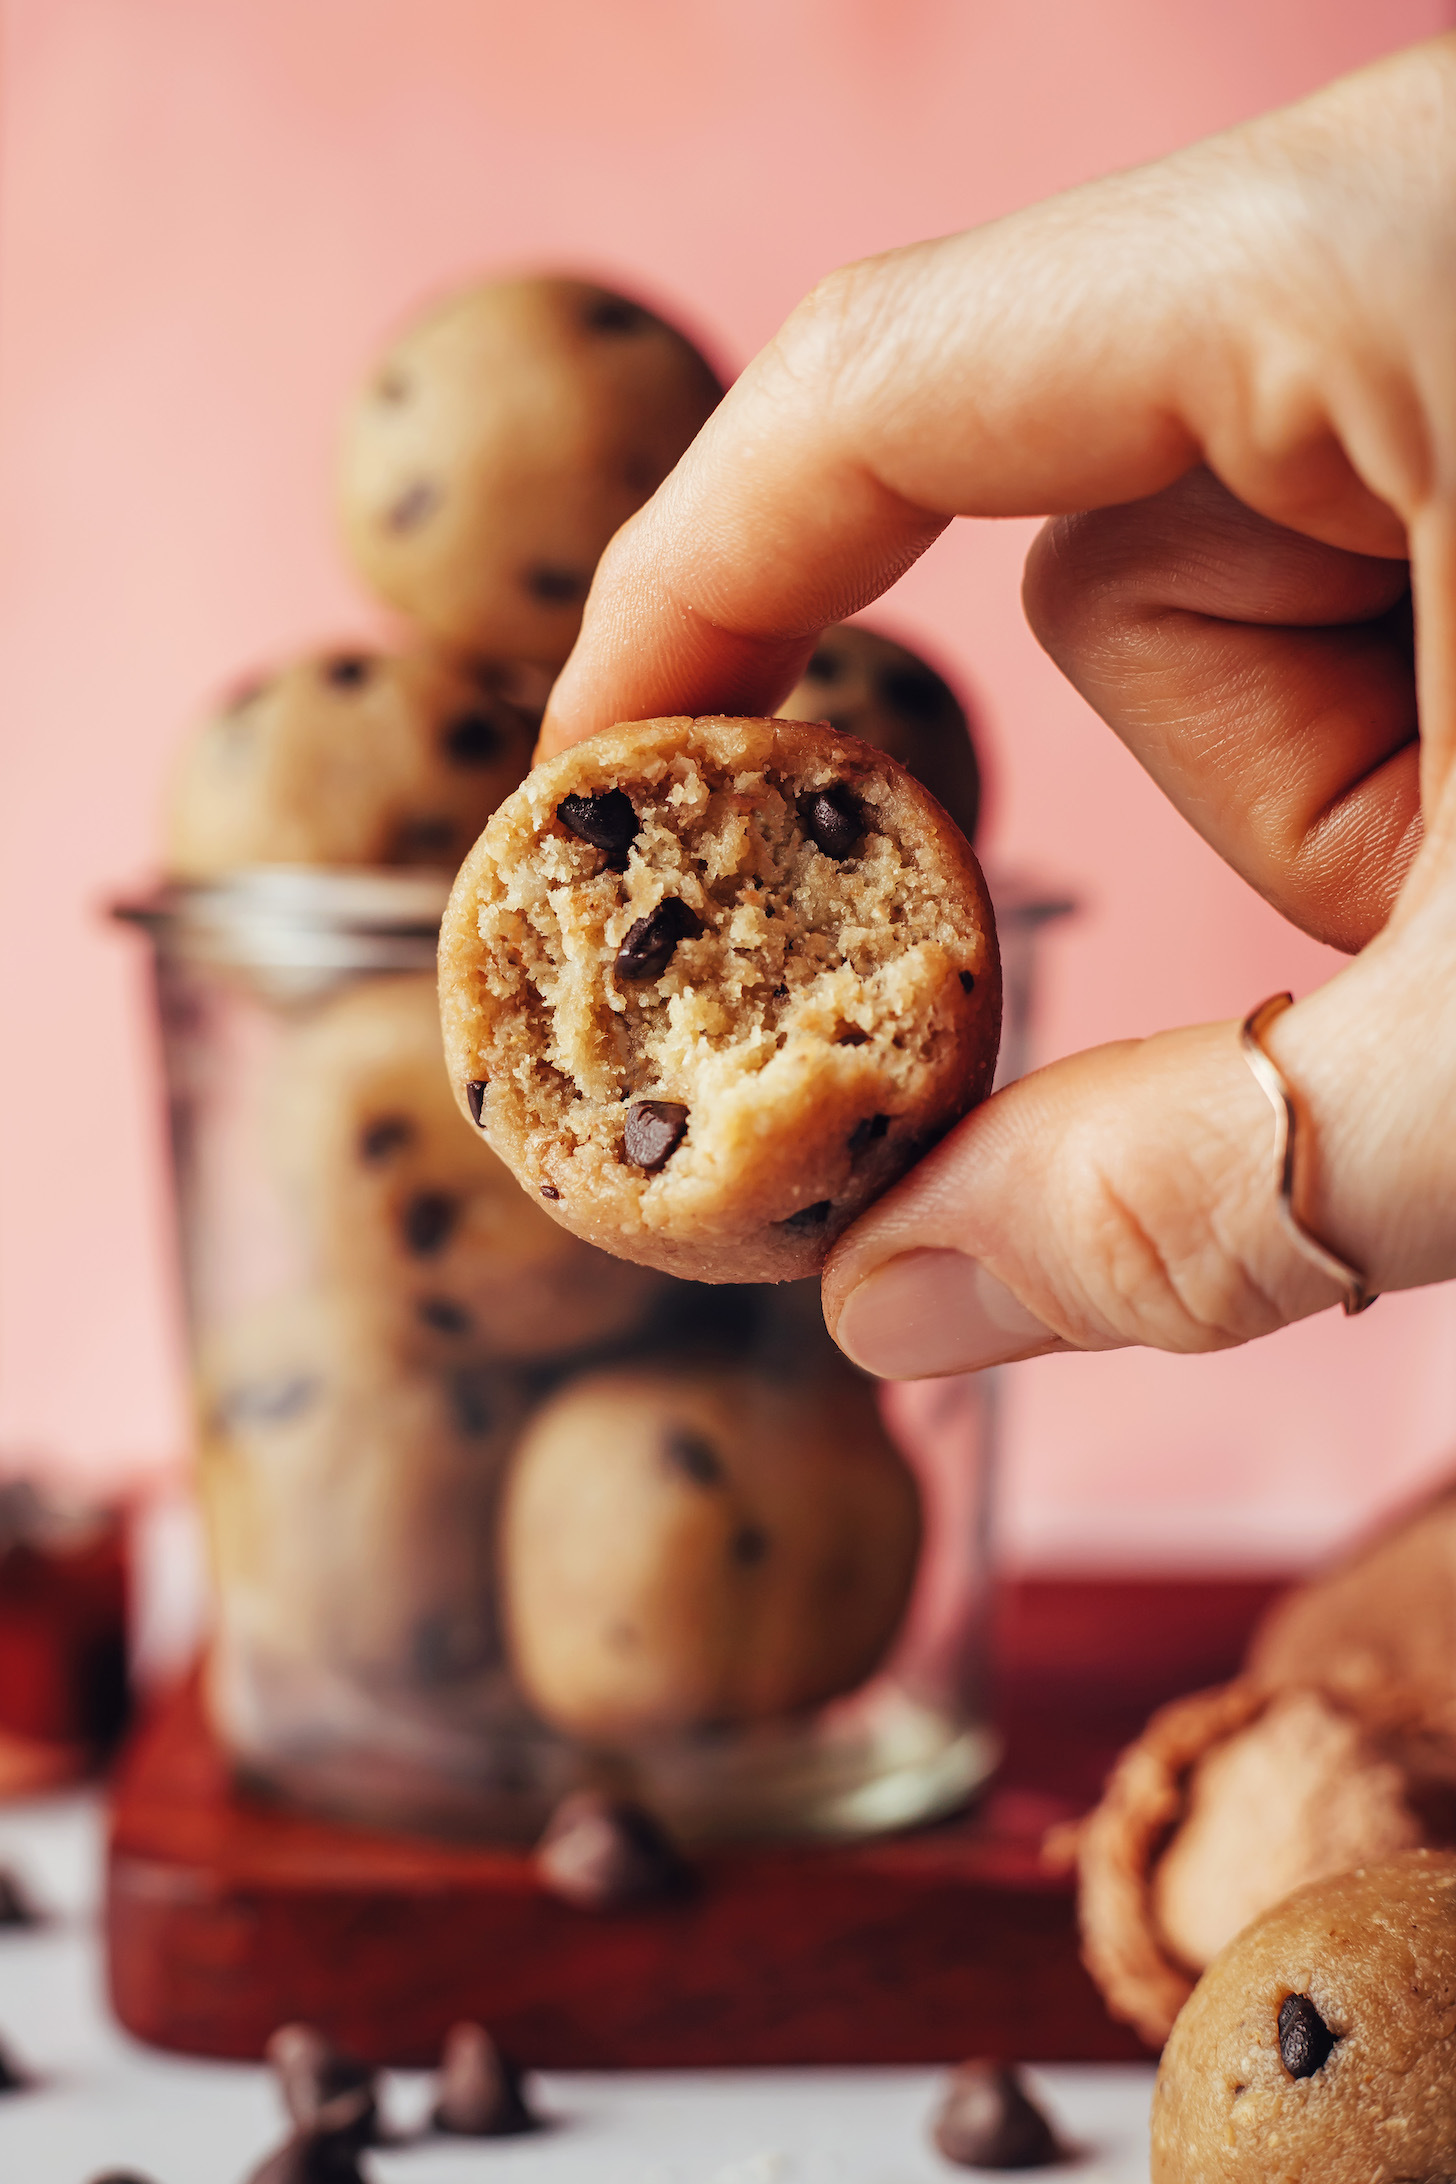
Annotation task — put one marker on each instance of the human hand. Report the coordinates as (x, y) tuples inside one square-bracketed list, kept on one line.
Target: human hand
[(1233, 374)]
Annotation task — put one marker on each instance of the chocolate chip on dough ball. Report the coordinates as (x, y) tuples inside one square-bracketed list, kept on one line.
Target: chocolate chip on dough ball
[(710, 986), (498, 444), (349, 758), (411, 1212), (868, 686), (686, 1548), (1321, 2044)]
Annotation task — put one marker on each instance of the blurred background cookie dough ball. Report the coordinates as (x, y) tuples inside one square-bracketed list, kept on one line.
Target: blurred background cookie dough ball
[(868, 686), (351, 1504), (498, 444), (410, 1211), (351, 758), (682, 1549)]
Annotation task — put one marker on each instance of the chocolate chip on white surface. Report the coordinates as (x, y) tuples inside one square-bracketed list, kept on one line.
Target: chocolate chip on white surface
[(478, 2093), (325, 2093), (602, 1854), (988, 2121), (16, 1906)]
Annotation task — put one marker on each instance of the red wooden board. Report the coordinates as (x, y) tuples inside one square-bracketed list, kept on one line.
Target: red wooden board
[(226, 1917)]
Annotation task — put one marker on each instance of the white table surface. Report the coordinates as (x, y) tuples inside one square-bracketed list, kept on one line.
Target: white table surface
[(105, 2102)]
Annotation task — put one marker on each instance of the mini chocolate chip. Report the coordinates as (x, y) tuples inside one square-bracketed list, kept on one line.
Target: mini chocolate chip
[(655, 1129), (120, 2176), (1305, 2040), (601, 1852), (809, 1217), (427, 1221), (325, 2093), (16, 1908), (749, 1546), (472, 740), (650, 943), (557, 587), (607, 821), (388, 1134), (864, 1133), (697, 1459), (478, 2093), (415, 505), (444, 1315), (268, 1402), (475, 1092), (310, 2159), (833, 818), (987, 2121), (549, 1190), (913, 691), (608, 314), (852, 1036), (968, 981), (12, 2078), (347, 670), (823, 666)]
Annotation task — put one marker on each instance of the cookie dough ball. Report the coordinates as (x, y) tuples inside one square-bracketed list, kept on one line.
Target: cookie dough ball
[(351, 1507), (1228, 1801), (868, 686), (710, 986), (1318, 2047), (350, 758), (680, 1549), (410, 1209), (500, 442)]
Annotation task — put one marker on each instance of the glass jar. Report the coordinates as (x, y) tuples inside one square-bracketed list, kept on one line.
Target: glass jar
[(492, 1516)]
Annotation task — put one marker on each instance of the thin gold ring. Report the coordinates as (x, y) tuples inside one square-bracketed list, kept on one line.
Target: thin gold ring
[(1354, 1295)]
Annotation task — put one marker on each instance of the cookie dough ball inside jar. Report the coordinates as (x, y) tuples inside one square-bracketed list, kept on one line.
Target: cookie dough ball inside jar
[(350, 758), (885, 694), (498, 444), (412, 1213), (1319, 2044), (682, 1549)]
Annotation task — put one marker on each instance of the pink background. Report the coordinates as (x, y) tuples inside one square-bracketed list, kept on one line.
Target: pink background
[(208, 216)]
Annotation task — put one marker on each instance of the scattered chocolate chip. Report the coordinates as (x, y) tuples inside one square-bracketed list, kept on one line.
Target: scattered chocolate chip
[(325, 2093), (608, 314), (12, 2078), (865, 1133), (1305, 2040), (444, 1315), (809, 1217), (823, 667), (309, 2159), (347, 670), (475, 1093), (695, 1456), (749, 1546), (414, 506), (833, 818), (649, 945), (600, 1853), (655, 1129), (987, 2121), (472, 740), (968, 981), (607, 821), (557, 587), (913, 691), (16, 1906), (268, 1402), (478, 2093), (385, 1135), (427, 1222), (120, 2176), (549, 1190)]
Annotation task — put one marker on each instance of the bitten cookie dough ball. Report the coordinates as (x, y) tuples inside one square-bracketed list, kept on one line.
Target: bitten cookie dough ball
[(710, 986), (412, 1212), (500, 442), (1318, 2048), (350, 758), (680, 1549), (868, 686)]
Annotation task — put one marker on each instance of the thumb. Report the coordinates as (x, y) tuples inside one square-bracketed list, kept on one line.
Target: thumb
[(1129, 1194)]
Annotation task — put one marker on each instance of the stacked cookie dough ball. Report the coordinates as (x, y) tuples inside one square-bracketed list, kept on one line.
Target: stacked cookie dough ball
[(461, 1468)]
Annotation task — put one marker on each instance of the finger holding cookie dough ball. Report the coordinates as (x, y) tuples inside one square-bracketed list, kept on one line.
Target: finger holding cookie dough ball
[(349, 758), (684, 1548), (710, 986), (499, 443)]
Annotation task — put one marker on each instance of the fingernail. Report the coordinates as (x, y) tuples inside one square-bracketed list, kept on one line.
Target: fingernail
[(932, 1312)]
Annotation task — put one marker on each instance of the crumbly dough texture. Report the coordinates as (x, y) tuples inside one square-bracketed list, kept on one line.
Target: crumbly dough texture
[(1372, 1954), (681, 1549), (497, 445), (868, 686), (411, 1214), (823, 1021), (351, 758)]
